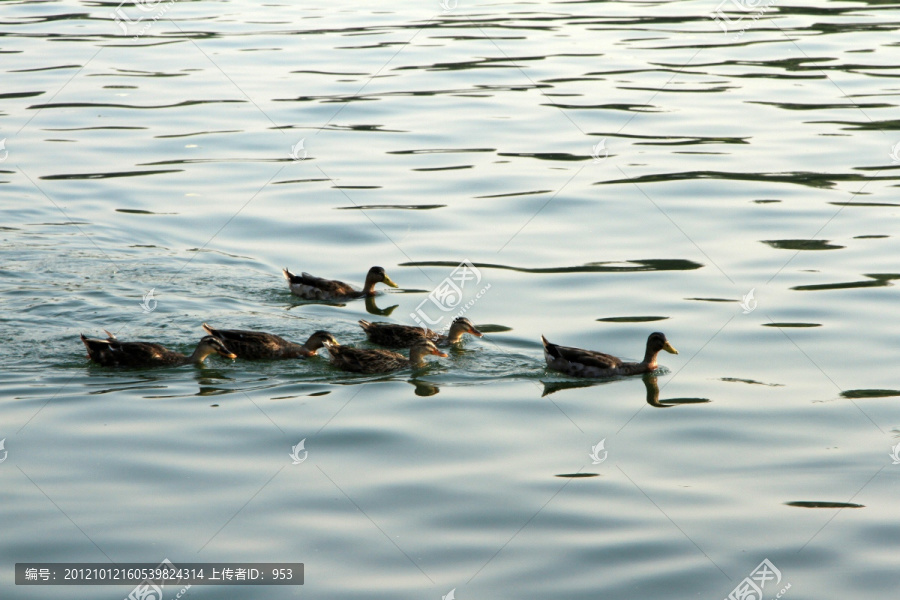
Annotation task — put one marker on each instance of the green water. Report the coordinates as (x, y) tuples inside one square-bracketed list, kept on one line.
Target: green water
[(609, 168)]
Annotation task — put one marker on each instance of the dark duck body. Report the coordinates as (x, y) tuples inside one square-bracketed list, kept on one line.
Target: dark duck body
[(365, 360), (113, 353), (311, 287), (259, 345), (589, 363), (403, 336)]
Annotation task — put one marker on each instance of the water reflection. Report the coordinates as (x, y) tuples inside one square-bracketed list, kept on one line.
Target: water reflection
[(551, 387), (424, 388), (651, 385), (143, 381), (875, 280), (802, 244), (650, 382), (635, 319), (392, 207), (371, 305), (823, 504), (372, 308), (628, 266), (870, 393), (750, 381), (210, 382)]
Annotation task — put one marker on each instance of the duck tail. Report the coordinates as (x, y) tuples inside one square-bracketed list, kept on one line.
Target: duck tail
[(287, 274), (95, 346), (365, 325), (87, 344), (550, 348), (209, 329)]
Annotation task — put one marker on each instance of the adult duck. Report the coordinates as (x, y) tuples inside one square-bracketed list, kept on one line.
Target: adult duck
[(589, 363), (394, 335), (364, 360), (311, 287), (113, 353), (256, 345)]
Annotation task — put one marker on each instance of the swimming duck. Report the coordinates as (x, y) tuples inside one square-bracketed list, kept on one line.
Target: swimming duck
[(260, 345), (587, 363), (113, 353), (363, 360), (315, 288), (391, 334)]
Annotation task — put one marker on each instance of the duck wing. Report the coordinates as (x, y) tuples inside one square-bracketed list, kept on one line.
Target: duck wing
[(588, 358), (253, 344), (330, 286), (113, 353), (364, 360), (391, 334)]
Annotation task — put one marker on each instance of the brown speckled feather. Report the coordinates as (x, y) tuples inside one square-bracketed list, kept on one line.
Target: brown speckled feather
[(403, 336), (398, 336), (332, 287), (588, 358), (364, 360), (258, 344)]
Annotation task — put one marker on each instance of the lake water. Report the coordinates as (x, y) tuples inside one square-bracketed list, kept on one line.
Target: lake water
[(609, 169)]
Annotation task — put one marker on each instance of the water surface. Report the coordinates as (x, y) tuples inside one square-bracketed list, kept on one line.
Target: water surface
[(609, 168)]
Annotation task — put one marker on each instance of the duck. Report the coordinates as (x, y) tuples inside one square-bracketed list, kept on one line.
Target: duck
[(364, 360), (316, 288), (113, 353), (391, 334), (588, 363), (255, 345)]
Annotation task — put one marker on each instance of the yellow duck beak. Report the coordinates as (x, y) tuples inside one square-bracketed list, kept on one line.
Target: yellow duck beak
[(388, 281), (670, 348)]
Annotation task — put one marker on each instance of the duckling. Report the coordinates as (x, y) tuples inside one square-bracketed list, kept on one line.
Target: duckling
[(260, 345), (391, 334), (316, 288), (113, 353), (588, 363), (363, 360)]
